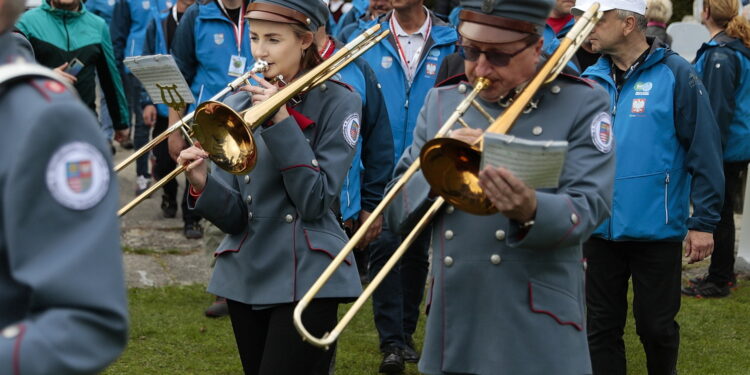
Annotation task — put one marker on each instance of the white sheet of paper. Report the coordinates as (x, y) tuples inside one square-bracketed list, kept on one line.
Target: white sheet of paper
[(537, 163), (157, 71)]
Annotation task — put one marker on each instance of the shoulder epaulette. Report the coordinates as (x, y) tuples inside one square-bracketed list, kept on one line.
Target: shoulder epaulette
[(578, 79), (342, 84)]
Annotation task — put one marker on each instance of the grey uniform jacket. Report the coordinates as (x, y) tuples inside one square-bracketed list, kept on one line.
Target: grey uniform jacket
[(501, 301), (62, 292), (281, 229)]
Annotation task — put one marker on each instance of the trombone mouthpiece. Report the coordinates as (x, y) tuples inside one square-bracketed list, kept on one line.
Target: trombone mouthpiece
[(259, 66)]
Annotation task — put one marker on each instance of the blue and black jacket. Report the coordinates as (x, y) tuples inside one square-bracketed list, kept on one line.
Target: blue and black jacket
[(404, 101), (203, 46), (128, 27), (372, 165), (668, 150), (724, 65)]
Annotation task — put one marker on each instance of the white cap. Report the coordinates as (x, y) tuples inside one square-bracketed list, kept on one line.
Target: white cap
[(635, 6)]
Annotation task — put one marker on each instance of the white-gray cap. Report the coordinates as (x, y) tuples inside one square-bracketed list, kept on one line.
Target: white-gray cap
[(635, 6)]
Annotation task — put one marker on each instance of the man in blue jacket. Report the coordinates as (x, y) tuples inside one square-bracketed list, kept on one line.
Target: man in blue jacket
[(406, 65), (128, 28), (668, 155), (354, 22)]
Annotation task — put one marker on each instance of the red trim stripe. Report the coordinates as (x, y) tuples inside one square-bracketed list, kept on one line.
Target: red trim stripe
[(558, 320), (17, 350), (309, 244), (237, 250), (316, 169)]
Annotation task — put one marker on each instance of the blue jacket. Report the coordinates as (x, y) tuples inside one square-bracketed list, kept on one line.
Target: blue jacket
[(665, 134), (204, 43), (155, 43), (373, 161), (359, 8), (723, 64), (102, 8), (128, 27), (404, 102)]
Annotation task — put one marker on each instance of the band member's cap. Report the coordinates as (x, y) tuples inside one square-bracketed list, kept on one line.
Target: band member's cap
[(308, 13), (503, 21)]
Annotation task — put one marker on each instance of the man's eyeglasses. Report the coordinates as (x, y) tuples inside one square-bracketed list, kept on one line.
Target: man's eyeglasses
[(495, 58)]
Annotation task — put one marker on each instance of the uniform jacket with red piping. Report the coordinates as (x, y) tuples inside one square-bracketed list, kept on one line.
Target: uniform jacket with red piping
[(503, 301), (281, 229)]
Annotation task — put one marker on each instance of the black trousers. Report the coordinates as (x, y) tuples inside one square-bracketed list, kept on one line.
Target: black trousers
[(163, 165), (655, 268), (721, 270), (269, 344)]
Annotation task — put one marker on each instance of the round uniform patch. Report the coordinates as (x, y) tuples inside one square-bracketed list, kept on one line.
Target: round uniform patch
[(351, 129), (386, 62), (78, 176), (601, 132)]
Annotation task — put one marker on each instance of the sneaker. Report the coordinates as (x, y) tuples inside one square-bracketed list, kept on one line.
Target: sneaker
[(142, 183), (410, 353), (193, 231), (168, 207), (217, 309), (127, 144), (706, 289), (393, 361)]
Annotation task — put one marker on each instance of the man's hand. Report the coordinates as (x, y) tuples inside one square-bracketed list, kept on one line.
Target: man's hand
[(176, 144), (149, 115), (698, 245), (467, 135), (122, 135), (372, 232), (68, 77), (511, 196)]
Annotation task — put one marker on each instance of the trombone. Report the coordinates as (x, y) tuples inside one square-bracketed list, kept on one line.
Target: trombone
[(548, 73), (227, 136)]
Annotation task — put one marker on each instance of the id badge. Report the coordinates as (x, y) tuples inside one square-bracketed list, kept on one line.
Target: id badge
[(237, 65)]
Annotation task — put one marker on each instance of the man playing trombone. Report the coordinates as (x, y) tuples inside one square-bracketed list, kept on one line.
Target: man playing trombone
[(506, 292)]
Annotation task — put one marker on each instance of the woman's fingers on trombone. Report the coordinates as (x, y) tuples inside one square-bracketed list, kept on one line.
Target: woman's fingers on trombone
[(191, 154)]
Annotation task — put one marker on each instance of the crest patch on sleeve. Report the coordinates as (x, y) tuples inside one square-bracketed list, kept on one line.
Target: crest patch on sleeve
[(601, 132), (78, 176), (351, 129)]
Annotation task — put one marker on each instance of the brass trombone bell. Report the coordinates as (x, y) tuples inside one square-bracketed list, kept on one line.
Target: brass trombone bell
[(223, 135)]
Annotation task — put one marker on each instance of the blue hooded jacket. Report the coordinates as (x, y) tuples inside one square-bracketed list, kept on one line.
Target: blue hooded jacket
[(128, 27), (402, 100), (203, 46), (723, 64), (665, 134)]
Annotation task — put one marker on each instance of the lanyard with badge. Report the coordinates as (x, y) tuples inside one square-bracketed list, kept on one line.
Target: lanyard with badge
[(236, 62), (408, 64)]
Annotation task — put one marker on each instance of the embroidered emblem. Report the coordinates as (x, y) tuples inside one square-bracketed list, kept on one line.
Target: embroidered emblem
[(431, 69), (351, 129), (78, 176), (386, 62), (219, 39), (488, 5), (643, 88), (601, 132), (639, 106), (54, 86), (146, 4)]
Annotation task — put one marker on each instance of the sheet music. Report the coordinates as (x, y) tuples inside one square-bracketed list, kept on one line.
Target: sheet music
[(538, 163), (161, 78)]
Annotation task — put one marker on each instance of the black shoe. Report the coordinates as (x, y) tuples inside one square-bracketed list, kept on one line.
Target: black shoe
[(706, 289), (410, 353), (168, 207), (193, 231), (700, 279), (218, 309), (393, 361)]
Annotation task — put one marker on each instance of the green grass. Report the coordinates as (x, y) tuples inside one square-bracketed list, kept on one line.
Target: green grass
[(169, 335)]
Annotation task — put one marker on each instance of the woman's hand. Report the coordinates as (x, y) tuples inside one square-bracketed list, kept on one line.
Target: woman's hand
[(262, 93), (196, 169)]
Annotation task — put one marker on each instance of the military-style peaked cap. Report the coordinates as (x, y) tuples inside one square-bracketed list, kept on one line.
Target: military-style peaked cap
[(503, 21), (309, 13)]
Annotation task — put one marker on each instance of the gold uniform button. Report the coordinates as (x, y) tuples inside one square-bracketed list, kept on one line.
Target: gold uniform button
[(448, 261), (495, 259), (450, 209), (11, 332), (448, 234), (247, 179), (574, 218), (500, 234), (288, 218)]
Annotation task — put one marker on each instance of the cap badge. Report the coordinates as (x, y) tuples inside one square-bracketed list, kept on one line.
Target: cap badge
[(488, 6)]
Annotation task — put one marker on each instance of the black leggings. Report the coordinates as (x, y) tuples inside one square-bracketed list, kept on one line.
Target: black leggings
[(269, 344)]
